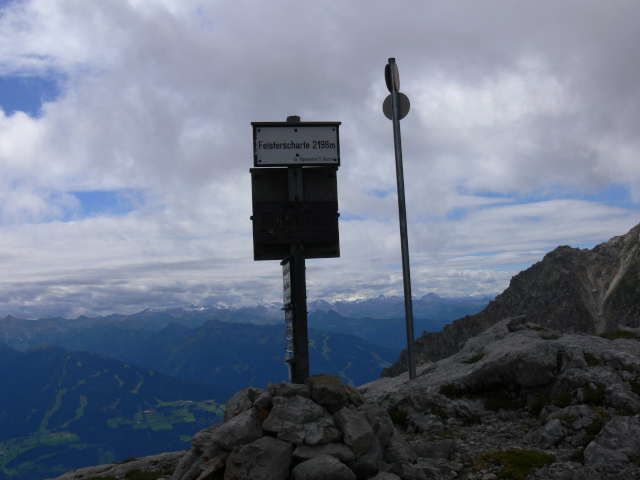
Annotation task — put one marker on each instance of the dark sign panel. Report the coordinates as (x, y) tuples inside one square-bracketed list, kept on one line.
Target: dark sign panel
[(279, 223)]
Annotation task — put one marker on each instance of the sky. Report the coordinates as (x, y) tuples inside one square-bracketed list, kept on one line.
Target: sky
[(126, 143)]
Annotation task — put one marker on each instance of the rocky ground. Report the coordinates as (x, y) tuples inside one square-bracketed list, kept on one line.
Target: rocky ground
[(518, 401)]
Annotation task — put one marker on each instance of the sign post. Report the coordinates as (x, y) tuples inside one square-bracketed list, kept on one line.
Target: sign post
[(295, 214), (399, 109)]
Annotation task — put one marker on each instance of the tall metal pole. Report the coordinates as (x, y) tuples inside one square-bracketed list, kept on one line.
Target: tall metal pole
[(402, 213)]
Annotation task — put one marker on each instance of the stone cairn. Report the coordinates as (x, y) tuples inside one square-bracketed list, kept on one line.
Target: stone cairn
[(320, 430)]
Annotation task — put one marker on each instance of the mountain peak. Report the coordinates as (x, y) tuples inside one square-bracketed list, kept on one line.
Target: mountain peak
[(570, 290)]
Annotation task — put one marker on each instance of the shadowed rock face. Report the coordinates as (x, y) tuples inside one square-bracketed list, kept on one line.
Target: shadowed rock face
[(570, 290)]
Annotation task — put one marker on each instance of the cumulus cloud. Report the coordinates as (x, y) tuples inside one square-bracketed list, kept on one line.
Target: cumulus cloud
[(524, 114)]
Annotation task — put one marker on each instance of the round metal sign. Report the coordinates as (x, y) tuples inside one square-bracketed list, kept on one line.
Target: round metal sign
[(404, 106)]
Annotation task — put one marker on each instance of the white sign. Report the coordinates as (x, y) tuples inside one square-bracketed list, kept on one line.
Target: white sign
[(286, 144)]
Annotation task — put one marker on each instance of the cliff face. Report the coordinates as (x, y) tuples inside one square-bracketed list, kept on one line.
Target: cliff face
[(570, 290)]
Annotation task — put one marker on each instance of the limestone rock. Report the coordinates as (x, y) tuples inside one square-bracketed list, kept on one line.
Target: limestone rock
[(399, 450), (287, 389), (241, 401), (323, 467), (328, 391), (337, 450), (369, 463), (380, 421), (202, 440), (357, 431), (265, 459), (300, 420), (241, 429), (617, 443)]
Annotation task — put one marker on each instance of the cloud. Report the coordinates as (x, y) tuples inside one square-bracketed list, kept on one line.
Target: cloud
[(524, 115)]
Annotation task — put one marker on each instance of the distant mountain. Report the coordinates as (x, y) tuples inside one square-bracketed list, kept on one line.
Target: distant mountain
[(232, 355), (62, 410), (437, 309), (571, 290), (387, 332)]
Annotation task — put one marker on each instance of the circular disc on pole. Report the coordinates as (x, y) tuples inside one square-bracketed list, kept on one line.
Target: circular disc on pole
[(405, 105), (392, 82)]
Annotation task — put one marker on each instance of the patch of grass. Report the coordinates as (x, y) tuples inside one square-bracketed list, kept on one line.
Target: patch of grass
[(567, 418), (140, 475), (450, 390), (578, 455), (539, 404), (474, 359), (594, 396), (622, 334), (635, 385), (562, 400), (398, 417), (592, 360), (498, 400), (439, 412), (515, 463)]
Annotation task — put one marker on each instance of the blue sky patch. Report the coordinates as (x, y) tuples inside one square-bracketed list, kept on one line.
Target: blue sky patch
[(108, 202), (27, 94)]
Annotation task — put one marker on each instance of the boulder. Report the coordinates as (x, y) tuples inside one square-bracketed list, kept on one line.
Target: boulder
[(241, 429), (287, 389), (265, 459), (616, 444), (202, 440), (323, 467), (300, 420), (328, 391), (357, 431), (337, 450), (368, 463), (241, 401), (380, 421), (398, 450)]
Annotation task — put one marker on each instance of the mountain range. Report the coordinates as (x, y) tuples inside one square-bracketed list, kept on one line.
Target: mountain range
[(544, 383)]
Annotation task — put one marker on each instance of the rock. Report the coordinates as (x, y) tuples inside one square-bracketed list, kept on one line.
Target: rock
[(300, 420), (616, 443), (369, 462), (426, 423), (240, 402), (444, 448), (386, 476), (328, 391), (354, 397), (356, 430), (337, 450), (265, 459), (287, 389), (323, 467), (214, 466), (398, 450), (407, 471), (241, 429), (188, 459), (380, 421), (202, 440)]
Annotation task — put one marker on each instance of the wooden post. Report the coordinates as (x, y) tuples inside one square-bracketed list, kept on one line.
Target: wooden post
[(300, 363)]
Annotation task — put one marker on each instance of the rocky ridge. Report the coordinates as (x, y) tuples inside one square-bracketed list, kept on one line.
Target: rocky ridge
[(571, 290)]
